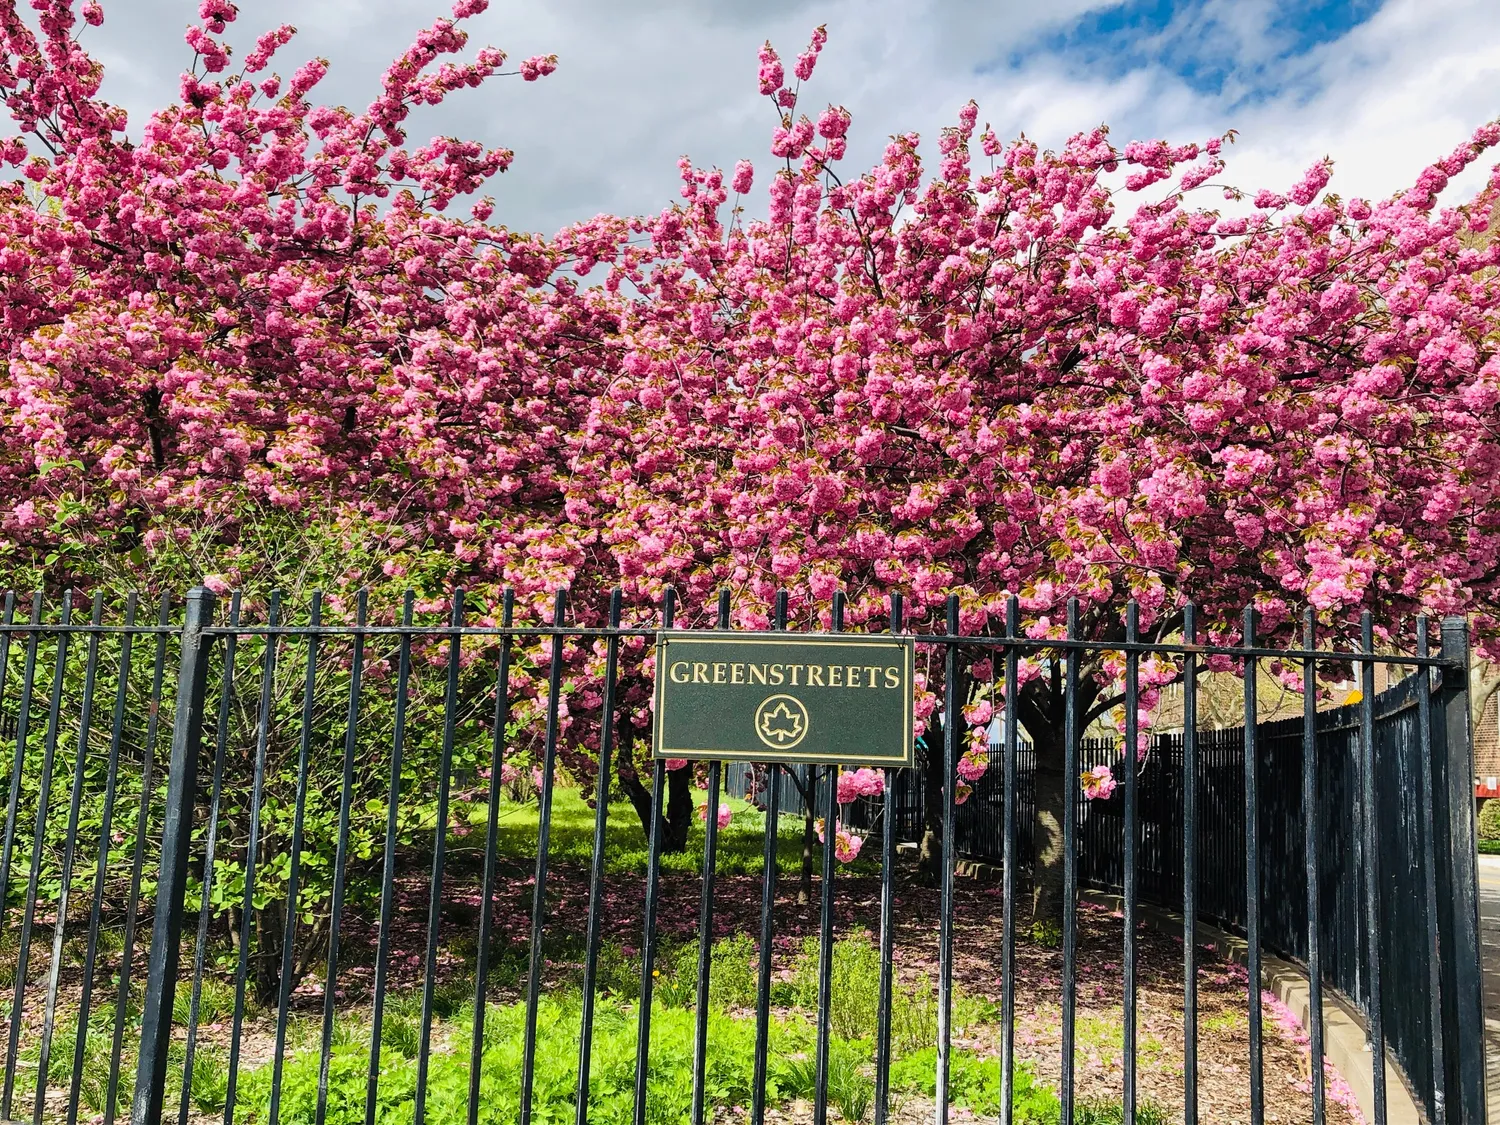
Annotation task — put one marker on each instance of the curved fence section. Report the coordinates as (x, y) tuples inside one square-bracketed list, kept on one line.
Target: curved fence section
[(1418, 963)]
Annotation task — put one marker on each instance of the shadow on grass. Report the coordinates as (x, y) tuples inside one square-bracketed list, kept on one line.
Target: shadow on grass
[(740, 851)]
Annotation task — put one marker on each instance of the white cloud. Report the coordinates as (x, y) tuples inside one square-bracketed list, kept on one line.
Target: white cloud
[(641, 84)]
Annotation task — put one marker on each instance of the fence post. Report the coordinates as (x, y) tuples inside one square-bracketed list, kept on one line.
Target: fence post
[(1463, 1008), (176, 844)]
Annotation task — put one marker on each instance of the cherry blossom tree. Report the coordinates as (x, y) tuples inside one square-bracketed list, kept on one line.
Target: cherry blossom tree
[(265, 302), (254, 319), (1071, 374)]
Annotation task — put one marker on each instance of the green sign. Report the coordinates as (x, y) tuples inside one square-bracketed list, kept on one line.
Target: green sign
[(779, 697)]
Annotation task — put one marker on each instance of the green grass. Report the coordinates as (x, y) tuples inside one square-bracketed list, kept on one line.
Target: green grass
[(975, 1078), (1489, 847), (741, 847), (975, 1082), (730, 1071), (729, 1079), (1226, 1022)]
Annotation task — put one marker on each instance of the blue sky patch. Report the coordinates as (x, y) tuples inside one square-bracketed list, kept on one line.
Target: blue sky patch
[(1215, 47)]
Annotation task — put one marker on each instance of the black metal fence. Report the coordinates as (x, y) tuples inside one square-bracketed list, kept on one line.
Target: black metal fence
[(305, 808), (1407, 869)]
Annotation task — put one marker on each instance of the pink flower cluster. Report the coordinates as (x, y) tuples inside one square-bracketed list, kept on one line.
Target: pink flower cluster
[(974, 763), (724, 815), (863, 782), (846, 843), (1098, 783)]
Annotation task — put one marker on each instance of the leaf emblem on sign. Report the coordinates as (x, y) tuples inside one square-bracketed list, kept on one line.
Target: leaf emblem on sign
[(781, 722)]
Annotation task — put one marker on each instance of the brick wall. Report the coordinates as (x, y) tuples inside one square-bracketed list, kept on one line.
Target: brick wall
[(1487, 742)]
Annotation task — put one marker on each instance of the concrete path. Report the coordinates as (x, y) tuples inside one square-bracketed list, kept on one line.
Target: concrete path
[(1489, 926)]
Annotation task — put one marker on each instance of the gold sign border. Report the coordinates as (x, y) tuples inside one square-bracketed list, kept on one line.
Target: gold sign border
[(907, 645)]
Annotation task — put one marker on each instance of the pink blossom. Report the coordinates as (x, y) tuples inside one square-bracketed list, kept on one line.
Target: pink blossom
[(1098, 783), (846, 842), (809, 58), (308, 75), (846, 845), (834, 123), (1011, 382), (973, 765), (771, 73), (863, 782), (216, 13), (538, 66), (724, 815), (676, 763)]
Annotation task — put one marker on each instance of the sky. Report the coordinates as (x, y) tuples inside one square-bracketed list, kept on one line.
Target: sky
[(1384, 87)]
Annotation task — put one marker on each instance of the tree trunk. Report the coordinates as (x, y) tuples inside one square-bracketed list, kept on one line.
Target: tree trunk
[(679, 811), (1043, 712), (930, 851), (678, 821), (309, 943), (809, 838), (1047, 825), (806, 783), (266, 965)]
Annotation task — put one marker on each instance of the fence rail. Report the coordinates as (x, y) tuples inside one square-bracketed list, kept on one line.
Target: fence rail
[(297, 837)]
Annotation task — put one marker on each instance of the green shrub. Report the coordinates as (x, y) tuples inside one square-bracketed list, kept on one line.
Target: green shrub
[(730, 1070), (734, 972), (854, 983), (348, 1031), (615, 974), (975, 1082), (676, 976), (10, 955), (1489, 820), (215, 1002), (850, 1089), (93, 1087), (914, 1014), (914, 1023), (855, 995), (453, 995), (1047, 932), (401, 1033), (509, 964), (1098, 1111), (60, 1052), (210, 1084), (796, 1076), (97, 1048)]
